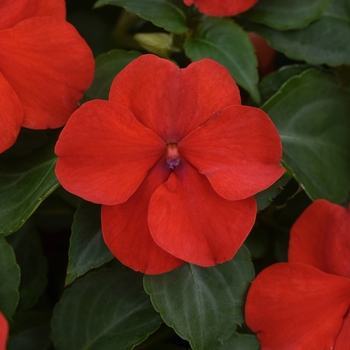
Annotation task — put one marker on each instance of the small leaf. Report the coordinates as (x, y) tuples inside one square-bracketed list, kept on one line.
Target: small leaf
[(106, 309), (27, 246), (225, 42), (30, 330), (168, 14), (286, 14), (108, 65), (241, 342), (311, 113), (203, 305), (24, 183), (10, 277), (325, 41), (87, 248)]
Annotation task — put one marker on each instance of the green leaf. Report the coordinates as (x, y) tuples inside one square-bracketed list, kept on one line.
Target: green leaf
[(325, 41), (265, 198), (27, 246), (87, 248), (106, 309), (168, 14), (286, 14), (241, 342), (24, 183), (203, 305), (10, 277), (225, 42), (108, 65), (30, 330), (311, 113)]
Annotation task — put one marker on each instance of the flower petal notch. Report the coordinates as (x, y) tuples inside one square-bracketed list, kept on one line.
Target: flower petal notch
[(49, 81), (287, 300), (156, 157), (223, 7)]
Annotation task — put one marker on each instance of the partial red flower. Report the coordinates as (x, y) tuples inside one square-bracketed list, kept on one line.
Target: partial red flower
[(4, 331), (45, 66), (222, 7), (304, 304), (174, 159)]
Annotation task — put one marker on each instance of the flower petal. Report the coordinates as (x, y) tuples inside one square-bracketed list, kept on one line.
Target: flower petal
[(11, 116), (321, 238), (238, 149), (4, 331), (343, 338), (50, 80), (296, 306), (105, 153), (171, 101), (222, 7), (126, 233), (188, 219)]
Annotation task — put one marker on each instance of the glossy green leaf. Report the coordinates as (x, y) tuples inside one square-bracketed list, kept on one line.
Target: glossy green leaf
[(27, 246), (286, 14), (10, 276), (225, 42), (265, 198), (24, 183), (241, 342), (168, 14), (311, 113), (108, 65), (203, 305), (87, 248), (325, 41), (106, 309), (30, 330)]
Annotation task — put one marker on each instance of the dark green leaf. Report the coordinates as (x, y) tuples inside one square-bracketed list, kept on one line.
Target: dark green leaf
[(106, 309), (87, 248), (225, 42), (24, 183), (27, 246), (241, 342), (286, 14), (168, 14), (265, 198), (10, 277), (325, 41), (108, 65), (30, 330), (311, 113), (203, 305)]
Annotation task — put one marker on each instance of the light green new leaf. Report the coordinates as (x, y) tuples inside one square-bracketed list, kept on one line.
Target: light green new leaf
[(106, 309), (227, 43), (286, 14), (87, 248), (203, 305), (168, 14), (24, 183), (311, 113)]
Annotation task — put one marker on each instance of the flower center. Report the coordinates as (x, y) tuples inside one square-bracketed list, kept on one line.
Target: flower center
[(172, 155)]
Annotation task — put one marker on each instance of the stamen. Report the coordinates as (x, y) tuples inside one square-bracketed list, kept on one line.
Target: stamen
[(172, 155)]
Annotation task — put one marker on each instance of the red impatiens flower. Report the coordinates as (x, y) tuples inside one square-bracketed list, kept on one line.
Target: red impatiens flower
[(222, 7), (45, 66), (304, 304), (4, 331), (175, 160)]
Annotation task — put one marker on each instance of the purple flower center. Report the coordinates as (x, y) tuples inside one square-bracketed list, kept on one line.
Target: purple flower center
[(172, 155)]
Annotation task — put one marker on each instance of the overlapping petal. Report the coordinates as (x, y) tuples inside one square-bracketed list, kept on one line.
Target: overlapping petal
[(222, 7), (126, 233), (343, 338), (171, 101), (321, 238), (188, 219), (296, 306), (238, 149), (49, 66), (4, 330), (11, 116), (105, 153)]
